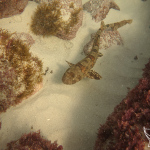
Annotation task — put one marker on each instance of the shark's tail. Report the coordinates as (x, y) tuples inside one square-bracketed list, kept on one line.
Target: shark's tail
[(114, 26)]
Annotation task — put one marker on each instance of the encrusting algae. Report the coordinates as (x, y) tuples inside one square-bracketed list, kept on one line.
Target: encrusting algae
[(48, 19), (20, 72)]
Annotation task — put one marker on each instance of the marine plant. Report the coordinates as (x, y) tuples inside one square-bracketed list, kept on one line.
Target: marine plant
[(48, 19), (33, 141), (124, 127), (20, 72)]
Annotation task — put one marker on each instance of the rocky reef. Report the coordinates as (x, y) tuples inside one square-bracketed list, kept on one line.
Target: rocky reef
[(11, 7), (124, 127), (99, 8), (33, 141), (58, 18), (20, 72)]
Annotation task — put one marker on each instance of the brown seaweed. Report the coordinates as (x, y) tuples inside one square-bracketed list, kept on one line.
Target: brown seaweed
[(20, 72)]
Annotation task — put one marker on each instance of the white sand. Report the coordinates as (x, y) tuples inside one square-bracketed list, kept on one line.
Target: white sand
[(72, 114)]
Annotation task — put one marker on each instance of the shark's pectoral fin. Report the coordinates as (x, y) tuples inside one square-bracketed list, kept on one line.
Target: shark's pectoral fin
[(70, 64), (100, 54), (93, 75)]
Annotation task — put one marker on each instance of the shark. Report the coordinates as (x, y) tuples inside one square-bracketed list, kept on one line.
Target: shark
[(83, 69)]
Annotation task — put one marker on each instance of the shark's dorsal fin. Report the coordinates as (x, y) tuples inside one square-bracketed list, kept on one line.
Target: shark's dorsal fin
[(93, 75), (70, 64)]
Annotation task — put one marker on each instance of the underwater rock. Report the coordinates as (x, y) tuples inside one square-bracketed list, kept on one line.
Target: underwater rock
[(33, 141), (20, 72), (58, 18), (25, 37), (11, 7), (99, 8), (40, 1), (107, 39), (124, 127)]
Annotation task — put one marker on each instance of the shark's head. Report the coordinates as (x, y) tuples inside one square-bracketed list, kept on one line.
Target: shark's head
[(70, 77)]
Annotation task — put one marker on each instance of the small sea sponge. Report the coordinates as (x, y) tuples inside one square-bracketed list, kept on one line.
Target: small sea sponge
[(33, 141), (20, 72), (58, 18)]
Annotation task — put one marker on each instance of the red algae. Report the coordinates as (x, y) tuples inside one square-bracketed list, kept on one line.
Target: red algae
[(124, 127), (33, 141)]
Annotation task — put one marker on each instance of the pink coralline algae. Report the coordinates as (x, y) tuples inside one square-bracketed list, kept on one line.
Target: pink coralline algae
[(124, 127), (107, 39), (20, 72), (11, 7), (99, 8), (33, 141)]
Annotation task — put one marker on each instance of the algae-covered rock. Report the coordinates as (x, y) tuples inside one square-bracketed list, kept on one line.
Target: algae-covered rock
[(33, 141), (58, 18), (125, 127), (20, 72), (99, 8), (11, 7)]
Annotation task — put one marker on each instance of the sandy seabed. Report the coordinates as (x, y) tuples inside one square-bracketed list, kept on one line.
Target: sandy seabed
[(72, 114)]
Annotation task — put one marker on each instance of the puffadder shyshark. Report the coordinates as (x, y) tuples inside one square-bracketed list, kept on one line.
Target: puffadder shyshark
[(83, 68)]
